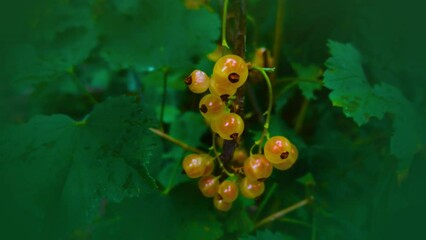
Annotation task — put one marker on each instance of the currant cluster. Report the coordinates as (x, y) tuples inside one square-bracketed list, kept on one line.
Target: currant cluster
[(248, 172), (229, 73)]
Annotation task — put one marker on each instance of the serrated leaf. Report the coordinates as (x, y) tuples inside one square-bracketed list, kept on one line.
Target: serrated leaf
[(309, 76), (240, 222), (267, 235), (61, 170), (350, 89), (188, 128), (158, 34), (359, 100), (61, 35), (185, 212)]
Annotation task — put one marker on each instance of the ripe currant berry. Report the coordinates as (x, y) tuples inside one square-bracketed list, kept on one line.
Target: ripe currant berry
[(208, 185), (211, 107), (228, 191), (222, 90), (277, 149), (197, 165), (257, 167), (209, 161), (229, 126), (288, 163), (198, 81), (220, 204), (231, 70), (251, 188), (239, 156)]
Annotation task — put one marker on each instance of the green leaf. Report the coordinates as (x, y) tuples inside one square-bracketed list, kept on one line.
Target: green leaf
[(61, 170), (188, 128), (182, 214), (239, 221), (158, 34), (61, 34), (350, 89), (309, 79), (267, 235)]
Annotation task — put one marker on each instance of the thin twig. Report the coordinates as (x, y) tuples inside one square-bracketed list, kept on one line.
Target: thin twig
[(283, 212), (301, 116), (175, 141)]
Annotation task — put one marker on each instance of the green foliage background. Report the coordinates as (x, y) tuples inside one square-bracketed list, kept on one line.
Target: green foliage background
[(81, 81)]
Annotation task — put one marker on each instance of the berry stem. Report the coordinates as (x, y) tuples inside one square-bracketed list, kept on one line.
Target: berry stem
[(224, 16), (217, 156), (176, 141), (265, 132), (283, 212)]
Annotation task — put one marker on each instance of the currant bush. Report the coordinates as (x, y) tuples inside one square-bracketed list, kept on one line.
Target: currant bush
[(244, 175)]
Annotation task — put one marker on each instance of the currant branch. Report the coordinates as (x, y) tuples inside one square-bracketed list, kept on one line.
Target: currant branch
[(176, 141), (283, 212)]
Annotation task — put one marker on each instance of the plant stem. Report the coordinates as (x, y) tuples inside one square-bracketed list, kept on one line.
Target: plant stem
[(175, 141), (224, 16), (301, 116), (265, 200), (295, 221), (283, 212), (265, 131), (279, 22)]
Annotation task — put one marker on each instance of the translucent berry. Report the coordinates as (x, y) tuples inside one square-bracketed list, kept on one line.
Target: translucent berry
[(228, 190), (251, 188), (198, 81), (277, 149), (194, 165), (208, 185), (211, 107), (257, 167), (220, 204), (231, 70), (288, 163), (209, 162), (239, 156), (222, 90), (229, 126)]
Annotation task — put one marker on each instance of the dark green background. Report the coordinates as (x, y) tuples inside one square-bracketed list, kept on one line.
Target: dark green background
[(74, 169)]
